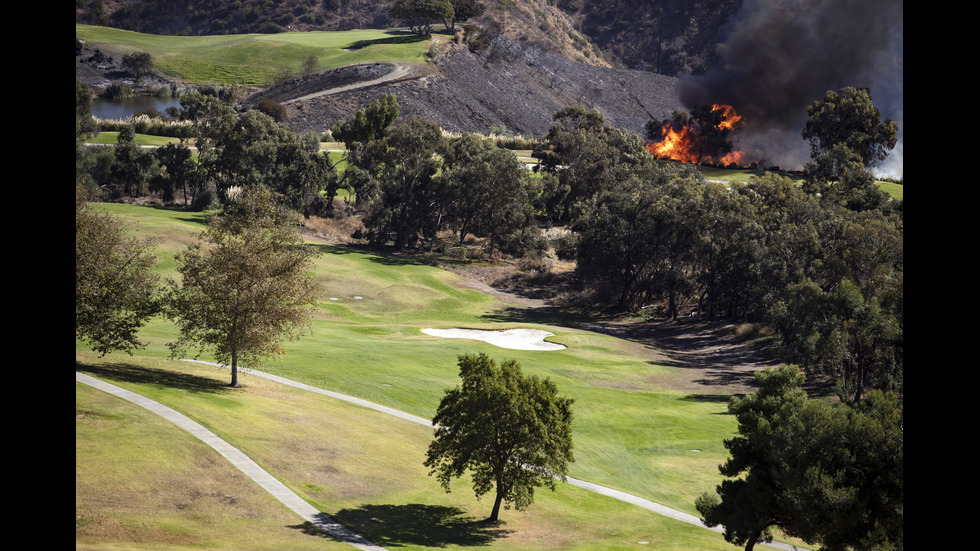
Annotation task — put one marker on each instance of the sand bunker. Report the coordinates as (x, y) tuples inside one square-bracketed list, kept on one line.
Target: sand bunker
[(514, 339)]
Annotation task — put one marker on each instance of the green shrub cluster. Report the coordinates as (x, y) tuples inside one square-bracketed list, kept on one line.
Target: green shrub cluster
[(116, 90), (144, 124)]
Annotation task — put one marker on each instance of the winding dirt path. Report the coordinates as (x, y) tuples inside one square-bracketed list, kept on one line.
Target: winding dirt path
[(398, 71)]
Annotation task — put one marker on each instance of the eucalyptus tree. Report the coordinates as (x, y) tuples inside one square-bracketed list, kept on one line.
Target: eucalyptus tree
[(403, 193), (847, 137), (585, 155), (638, 237), (252, 149), (848, 117)]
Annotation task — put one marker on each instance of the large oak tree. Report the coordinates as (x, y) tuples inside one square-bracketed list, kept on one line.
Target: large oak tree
[(514, 433)]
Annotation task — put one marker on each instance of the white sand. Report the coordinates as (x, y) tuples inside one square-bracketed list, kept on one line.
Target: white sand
[(514, 339)]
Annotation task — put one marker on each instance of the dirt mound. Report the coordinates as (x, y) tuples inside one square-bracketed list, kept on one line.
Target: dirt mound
[(508, 85)]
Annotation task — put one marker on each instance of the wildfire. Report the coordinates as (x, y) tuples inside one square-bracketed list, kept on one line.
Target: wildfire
[(685, 140)]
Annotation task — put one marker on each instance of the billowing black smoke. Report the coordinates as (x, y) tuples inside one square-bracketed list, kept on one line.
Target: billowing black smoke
[(782, 55)]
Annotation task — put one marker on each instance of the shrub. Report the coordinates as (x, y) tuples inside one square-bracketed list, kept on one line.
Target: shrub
[(117, 90), (150, 113), (207, 199), (272, 108)]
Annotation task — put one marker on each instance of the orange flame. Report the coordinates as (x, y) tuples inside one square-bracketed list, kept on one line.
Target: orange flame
[(680, 142)]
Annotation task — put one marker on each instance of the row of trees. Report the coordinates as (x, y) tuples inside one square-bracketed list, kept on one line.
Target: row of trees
[(233, 150), (822, 263), (244, 288)]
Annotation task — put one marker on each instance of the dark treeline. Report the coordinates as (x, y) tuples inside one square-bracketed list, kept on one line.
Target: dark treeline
[(822, 263)]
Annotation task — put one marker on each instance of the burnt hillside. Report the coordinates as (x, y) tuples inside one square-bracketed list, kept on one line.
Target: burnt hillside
[(509, 86)]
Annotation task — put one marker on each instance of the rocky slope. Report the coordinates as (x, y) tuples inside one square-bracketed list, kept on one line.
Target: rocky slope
[(509, 85)]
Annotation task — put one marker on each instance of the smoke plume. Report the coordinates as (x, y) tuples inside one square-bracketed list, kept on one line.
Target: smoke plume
[(782, 55)]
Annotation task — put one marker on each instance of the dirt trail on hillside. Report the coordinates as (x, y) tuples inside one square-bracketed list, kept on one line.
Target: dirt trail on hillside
[(397, 71)]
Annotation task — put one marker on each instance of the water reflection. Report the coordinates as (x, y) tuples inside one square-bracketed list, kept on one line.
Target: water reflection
[(123, 108)]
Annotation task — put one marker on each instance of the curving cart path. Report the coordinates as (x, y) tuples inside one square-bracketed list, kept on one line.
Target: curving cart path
[(305, 510), (240, 460)]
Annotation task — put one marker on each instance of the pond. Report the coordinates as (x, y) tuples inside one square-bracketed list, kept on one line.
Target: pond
[(123, 108)]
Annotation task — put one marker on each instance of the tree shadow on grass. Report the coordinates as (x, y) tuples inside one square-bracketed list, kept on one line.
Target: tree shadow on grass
[(392, 38), (548, 315), (376, 255), (708, 398), (416, 524), (196, 219), (131, 373)]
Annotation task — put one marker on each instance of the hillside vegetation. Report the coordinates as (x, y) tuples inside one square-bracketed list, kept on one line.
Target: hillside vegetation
[(669, 37)]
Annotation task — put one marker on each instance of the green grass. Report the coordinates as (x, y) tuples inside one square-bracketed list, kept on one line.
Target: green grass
[(140, 479), (253, 59), (373, 347), (739, 175), (896, 191), (631, 431), (112, 138)]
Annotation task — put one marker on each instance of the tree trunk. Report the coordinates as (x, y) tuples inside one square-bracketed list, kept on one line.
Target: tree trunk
[(234, 370), (496, 507)]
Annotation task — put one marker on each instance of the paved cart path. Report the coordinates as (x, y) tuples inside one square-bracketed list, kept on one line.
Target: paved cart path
[(238, 459), (297, 504)]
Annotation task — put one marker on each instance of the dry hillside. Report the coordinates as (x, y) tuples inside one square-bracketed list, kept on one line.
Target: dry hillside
[(509, 85)]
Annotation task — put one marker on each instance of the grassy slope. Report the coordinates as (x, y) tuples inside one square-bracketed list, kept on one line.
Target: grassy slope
[(630, 432), (253, 59), (140, 482)]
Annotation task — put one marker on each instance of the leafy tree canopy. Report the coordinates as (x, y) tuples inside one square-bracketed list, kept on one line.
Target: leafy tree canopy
[(246, 288), (512, 432), (115, 287), (463, 10), (139, 64), (368, 124), (849, 117), (831, 475), (419, 15)]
